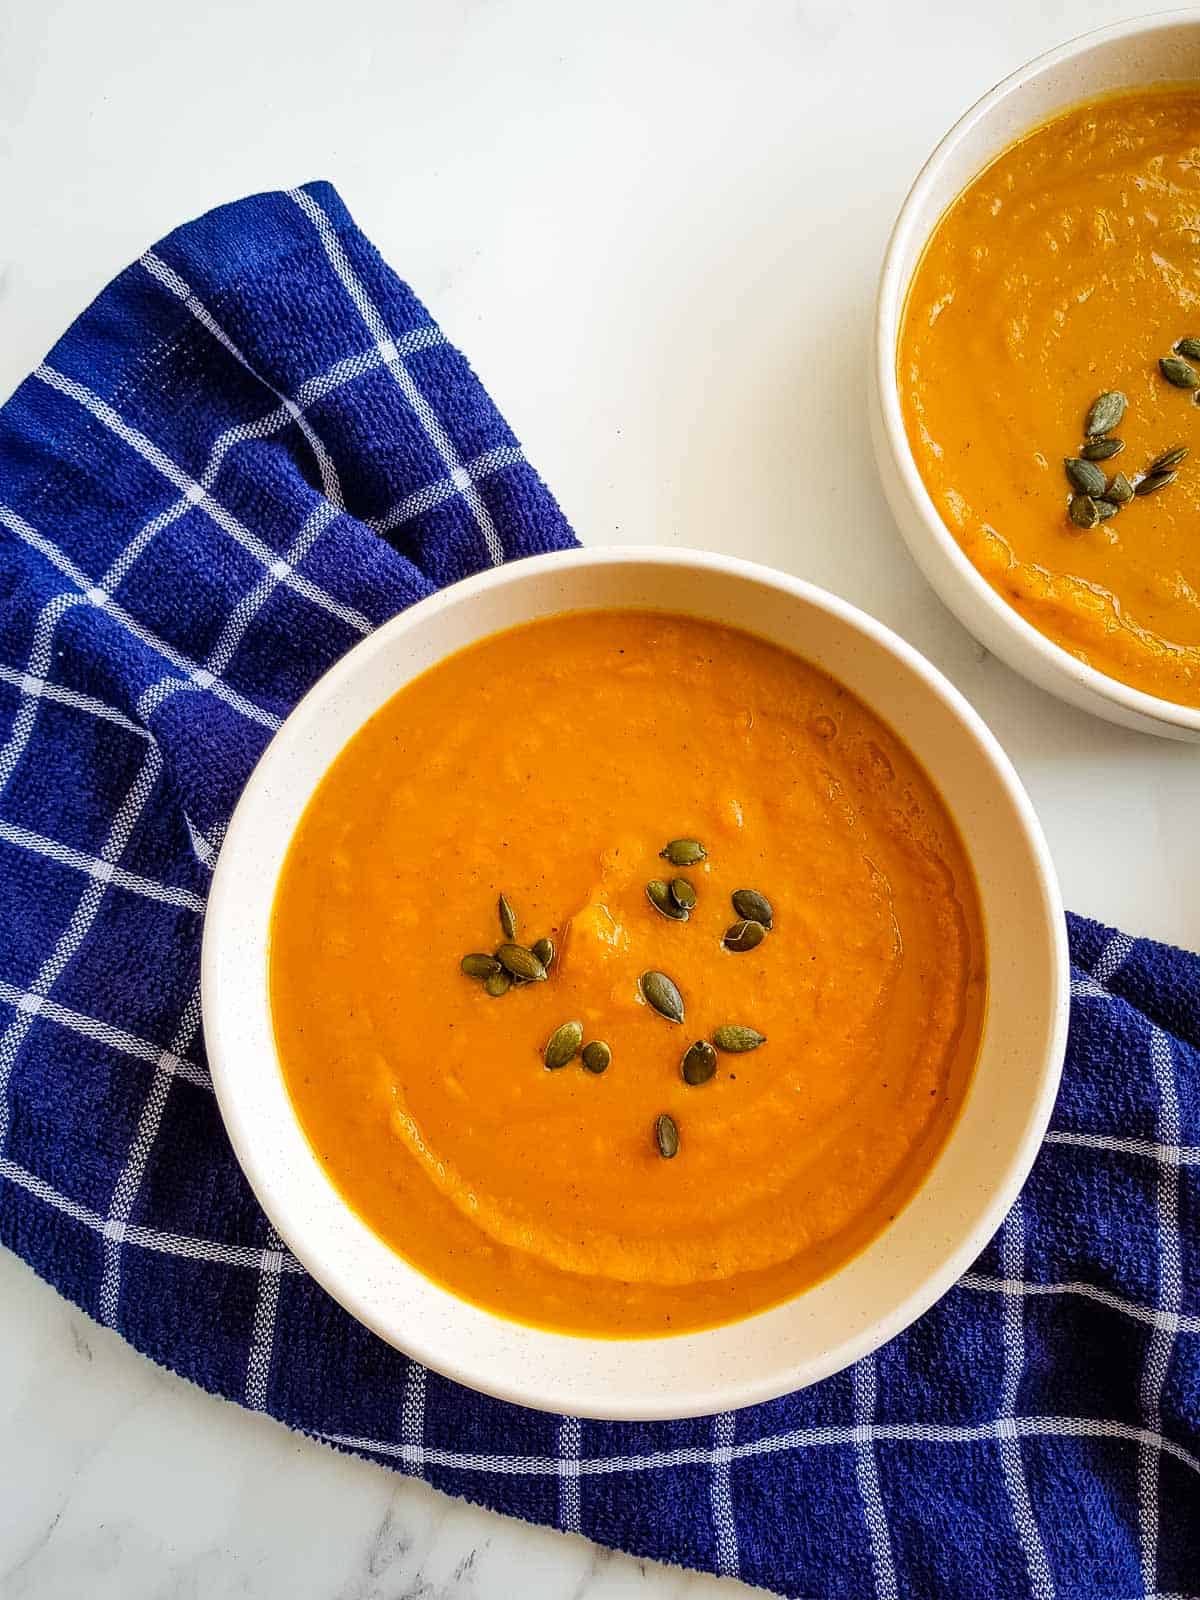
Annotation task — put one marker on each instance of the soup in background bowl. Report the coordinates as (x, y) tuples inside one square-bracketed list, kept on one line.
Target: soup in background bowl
[(801, 654), (1045, 259), (1048, 374)]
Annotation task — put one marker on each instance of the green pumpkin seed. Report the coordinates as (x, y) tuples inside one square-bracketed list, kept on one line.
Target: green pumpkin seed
[(660, 897), (1119, 491), (1188, 347), (1106, 413), (1083, 476), (1102, 449), (596, 1056), (684, 852), (543, 949), (1168, 459), (735, 1040), (683, 893), (1106, 509), (563, 1045), (660, 993), (508, 918), (666, 1137), (699, 1063), (744, 935), (479, 966), (1082, 511), (497, 984), (1153, 481), (754, 907), (520, 963), (1178, 372)]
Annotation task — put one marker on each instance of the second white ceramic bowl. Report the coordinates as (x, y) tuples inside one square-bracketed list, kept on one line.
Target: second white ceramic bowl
[(1163, 48), (934, 1238)]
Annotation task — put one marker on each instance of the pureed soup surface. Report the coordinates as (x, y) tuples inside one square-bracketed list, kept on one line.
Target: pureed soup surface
[(1066, 269), (551, 764)]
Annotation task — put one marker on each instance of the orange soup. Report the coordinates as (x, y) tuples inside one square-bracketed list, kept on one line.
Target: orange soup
[(662, 1184), (1070, 269)]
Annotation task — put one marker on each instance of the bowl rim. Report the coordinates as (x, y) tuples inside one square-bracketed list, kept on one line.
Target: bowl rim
[(889, 308), (595, 1401)]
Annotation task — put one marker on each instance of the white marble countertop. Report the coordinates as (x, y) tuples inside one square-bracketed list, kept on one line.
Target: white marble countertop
[(654, 227)]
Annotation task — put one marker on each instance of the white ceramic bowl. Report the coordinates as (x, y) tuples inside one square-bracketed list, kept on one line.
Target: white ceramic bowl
[(1146, 50), (931, 1242)]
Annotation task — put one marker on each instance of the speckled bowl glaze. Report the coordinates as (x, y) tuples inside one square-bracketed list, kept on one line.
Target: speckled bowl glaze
[(1162, 48), (931, 1242)]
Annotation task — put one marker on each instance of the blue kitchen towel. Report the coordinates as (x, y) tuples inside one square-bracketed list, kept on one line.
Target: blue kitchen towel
[(253, 448)]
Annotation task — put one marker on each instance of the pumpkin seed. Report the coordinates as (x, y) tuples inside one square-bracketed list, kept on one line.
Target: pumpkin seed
[(1188, 347), (498, 983), (1106, 413), (1119, 491), (1101, 449), (1082, 511), (661, 995), (683, 892), (521, 963), (1154, 481), (596, 1056), (660, 897), (543, 949), (1179, 372), (1168, 459), (753, 906), (744, 935), (699, 1063), (508, 918), (1106, 509), (666, 1136), (1083, 476), (684, 852), (563, 1045), (735, 1040), (479, 966)]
